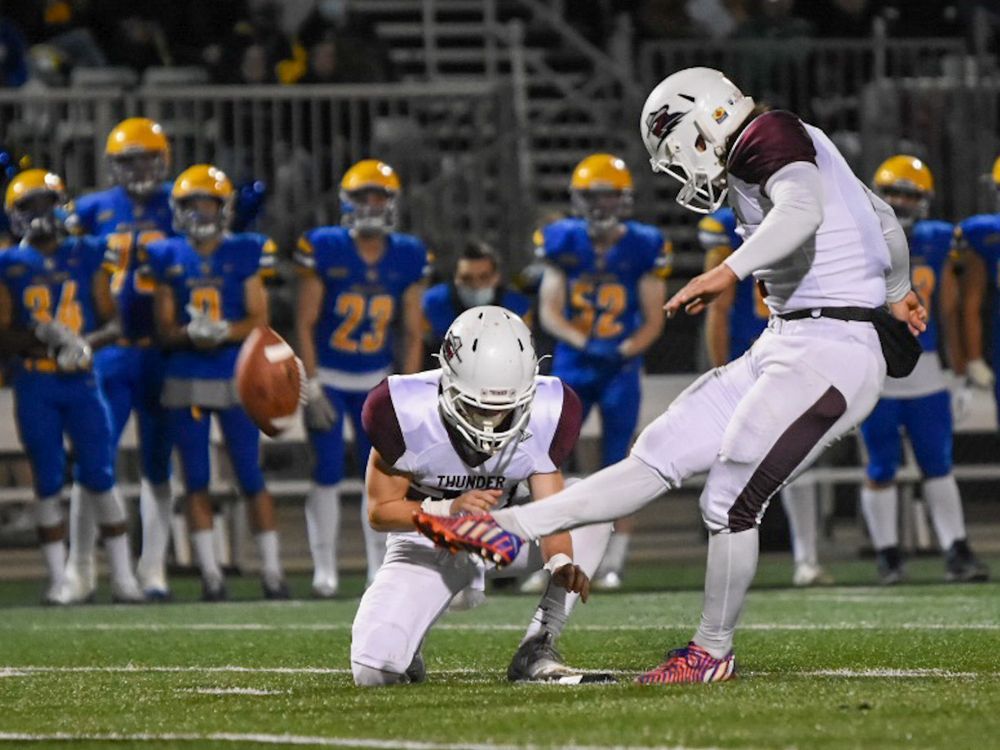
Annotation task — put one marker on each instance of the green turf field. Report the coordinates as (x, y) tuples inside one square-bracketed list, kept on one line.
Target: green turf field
[(917, 666)]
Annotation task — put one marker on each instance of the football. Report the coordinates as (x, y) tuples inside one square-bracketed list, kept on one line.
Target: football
[(269, 380)]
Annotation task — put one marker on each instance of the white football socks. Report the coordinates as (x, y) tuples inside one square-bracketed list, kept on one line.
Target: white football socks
[(801, 508), (617, 491), (880, 508), (204, 550), (49, 515), (945, 505), (156, 504), (374, 541), (82, 535), (270, 559), (589, 543), (616, 553), (323, 528), (732, 563), (110, 511)]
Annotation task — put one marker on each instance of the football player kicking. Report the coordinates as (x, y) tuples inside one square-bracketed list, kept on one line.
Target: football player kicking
[(601, 298), (733, 322), (55, 309), (920, 402), (209, 297), (830, 253), (128, 216), (356, 281), (459, 440)]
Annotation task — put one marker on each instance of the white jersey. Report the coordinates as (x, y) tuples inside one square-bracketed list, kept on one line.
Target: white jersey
[(406, 428), (845, 263)]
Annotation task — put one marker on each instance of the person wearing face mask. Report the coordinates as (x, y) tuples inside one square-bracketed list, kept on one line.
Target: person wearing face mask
[(601, 298), (477, 282)]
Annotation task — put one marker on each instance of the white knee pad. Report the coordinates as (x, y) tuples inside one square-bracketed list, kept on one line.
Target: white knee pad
[(110, 506), (365, 676), (48, 512)]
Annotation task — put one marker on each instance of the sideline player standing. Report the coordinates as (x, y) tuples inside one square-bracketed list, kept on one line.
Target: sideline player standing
[(129, 216), (55, 296), (919, 402), (209, 297), (601, 298), (830, 253), (356, 282), (734, 320), (456, 440)]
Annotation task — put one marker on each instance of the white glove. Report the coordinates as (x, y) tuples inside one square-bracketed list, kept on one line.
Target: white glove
[(205, 332), (980, 374), (74, 355), (54, 335), (320, 413)]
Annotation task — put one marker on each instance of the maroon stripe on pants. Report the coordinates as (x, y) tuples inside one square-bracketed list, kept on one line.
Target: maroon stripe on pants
[(790, 450)]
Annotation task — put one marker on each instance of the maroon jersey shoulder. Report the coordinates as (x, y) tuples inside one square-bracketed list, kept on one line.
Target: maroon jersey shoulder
[(773, 140), (568, 429), (378, 418)]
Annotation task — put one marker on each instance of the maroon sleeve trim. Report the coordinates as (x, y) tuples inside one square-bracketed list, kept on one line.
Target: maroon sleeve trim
[(772, 141), (378, 417), (568, 430)]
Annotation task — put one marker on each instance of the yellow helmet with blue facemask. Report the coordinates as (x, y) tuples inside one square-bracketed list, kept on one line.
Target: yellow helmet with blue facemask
[(905, 183), (33, 202), (138, 155), (201, 181), (368, 194), (601, 191)]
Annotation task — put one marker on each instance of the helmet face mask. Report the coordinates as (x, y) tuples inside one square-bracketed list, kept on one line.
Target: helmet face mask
[(488, 369), (909, 205), (194, 218), (139, 172), (907, 185), (36, 216), (369, 210), (603, 208)]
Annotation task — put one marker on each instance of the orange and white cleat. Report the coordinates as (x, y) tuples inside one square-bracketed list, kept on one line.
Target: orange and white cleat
[(690, 664), (480, 535)]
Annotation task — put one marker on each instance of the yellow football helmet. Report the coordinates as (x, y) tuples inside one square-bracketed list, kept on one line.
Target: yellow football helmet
[(194, 183), (138, 155), (32, 203), (368, 194), (601, 191), (906, 184), (996, 173)]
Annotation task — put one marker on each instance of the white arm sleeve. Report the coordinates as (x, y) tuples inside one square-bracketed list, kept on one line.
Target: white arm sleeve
[(897, 282), (797, 194)]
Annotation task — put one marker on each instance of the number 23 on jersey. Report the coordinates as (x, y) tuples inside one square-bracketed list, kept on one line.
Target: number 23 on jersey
[(355, 309)]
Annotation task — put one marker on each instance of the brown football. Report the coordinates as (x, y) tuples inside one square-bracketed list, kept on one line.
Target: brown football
[(269, 380)]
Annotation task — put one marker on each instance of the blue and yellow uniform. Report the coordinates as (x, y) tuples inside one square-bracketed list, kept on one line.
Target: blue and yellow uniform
[(49, 403), (353, 335), (441, 305), (981, 233), (748, 314), (199, 382), (130, 374), (926, 414), (602, 301)]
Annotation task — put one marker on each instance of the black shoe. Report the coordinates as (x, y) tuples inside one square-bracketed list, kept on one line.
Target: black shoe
[(537, 660), (890, 566), (417, 671), (214, 593), (963, 566), (277, 592)]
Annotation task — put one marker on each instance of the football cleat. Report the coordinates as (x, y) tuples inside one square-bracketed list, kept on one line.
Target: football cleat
[(276, 590), (127, 591), (480, 535), (417, 671), (808, 574), (154, 584), (74, 588), (537, 660), (213, 591), (690, 664), (324, 588), (889, 561), (962, 565), (609, 581)]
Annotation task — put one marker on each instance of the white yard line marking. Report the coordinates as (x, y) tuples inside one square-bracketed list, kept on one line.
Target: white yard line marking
[(301, 741), (233, 691)]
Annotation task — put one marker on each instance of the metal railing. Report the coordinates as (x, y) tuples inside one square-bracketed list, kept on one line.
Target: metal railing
[(455, 146)]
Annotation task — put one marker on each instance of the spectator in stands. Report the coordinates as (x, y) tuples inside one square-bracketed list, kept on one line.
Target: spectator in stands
[(342, 48), (774, 19), (60, 24), (13, 60), (665, 19)]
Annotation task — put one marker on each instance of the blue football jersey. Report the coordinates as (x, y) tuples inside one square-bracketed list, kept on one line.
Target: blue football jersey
[(602, 292), (214, 284), (930, 246), (360, 301), (441, 305), (981, 233), (748, 315), (126, 228), (56, 287)]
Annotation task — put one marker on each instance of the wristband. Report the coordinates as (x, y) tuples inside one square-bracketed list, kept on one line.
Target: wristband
[(434, 507), (558, 560)]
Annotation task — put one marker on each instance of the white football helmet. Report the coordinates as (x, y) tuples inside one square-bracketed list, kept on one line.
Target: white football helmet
[(488, 369), (686, 124)]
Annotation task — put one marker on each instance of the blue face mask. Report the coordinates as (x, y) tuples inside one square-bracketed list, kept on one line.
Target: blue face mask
[(475, 297)]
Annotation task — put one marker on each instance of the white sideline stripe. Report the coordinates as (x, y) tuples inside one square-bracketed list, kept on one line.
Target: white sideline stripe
[(302, 740), (488, 627)]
